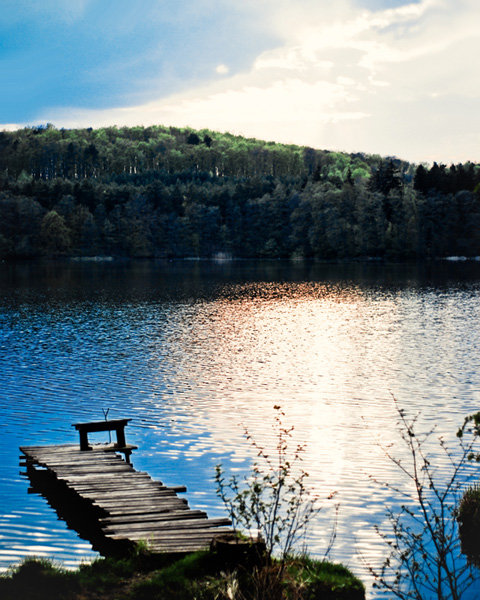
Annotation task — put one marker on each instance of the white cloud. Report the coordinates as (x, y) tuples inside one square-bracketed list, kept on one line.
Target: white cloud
[(388, 82), (11, 126)]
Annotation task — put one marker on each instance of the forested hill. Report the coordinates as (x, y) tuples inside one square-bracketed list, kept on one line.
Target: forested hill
[(166, 192)]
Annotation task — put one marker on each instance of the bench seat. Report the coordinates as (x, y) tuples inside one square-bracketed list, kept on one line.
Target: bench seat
[(117, 425)]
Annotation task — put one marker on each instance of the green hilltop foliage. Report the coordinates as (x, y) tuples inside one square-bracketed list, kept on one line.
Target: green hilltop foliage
[(165, 192)]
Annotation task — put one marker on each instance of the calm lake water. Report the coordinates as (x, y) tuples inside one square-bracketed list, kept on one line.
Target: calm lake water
[(194, 352)]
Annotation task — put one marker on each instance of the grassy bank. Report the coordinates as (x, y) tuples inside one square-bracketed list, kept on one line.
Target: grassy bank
[(202, 576)]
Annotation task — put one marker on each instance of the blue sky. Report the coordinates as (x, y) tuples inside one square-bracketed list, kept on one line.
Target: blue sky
[(380, 76)]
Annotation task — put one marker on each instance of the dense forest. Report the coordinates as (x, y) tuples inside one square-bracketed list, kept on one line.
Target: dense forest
[(166, 192)]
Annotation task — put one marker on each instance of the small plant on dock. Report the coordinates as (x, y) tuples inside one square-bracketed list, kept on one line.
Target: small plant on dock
[(274, 499)]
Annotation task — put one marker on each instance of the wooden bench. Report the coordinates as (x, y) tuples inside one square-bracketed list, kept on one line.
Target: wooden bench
[(117, 425)]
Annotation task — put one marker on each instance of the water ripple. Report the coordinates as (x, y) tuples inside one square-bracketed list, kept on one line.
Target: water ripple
[(195, 354)]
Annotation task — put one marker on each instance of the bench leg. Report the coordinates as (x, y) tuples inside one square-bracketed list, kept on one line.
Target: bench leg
[(84, 441), (121, 437)]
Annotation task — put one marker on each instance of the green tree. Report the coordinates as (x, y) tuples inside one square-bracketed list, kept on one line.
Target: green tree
[(55, 236), (84, 231)]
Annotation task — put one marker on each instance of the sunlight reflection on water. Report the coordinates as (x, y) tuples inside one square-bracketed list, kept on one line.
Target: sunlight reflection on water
[(195, 354)]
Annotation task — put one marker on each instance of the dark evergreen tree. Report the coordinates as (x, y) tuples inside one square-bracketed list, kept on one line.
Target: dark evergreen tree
[(420, 181)]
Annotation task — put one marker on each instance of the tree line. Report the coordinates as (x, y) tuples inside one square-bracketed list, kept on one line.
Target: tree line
[(164, 192)]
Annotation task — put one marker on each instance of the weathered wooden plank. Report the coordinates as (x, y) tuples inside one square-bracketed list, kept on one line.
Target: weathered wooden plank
[(119, 488), (134, 499), (132, 494), (147, 480), (111, 474), (143, 505), (117, 477), (78, 457), (73, 450), (54, 462), (170, 501), (107, 471), (162, 507), (135, 535), (88, 462), (176, 544), (56, 448), (70, 450), (190, 535), (71, 453), (98, 477), (158, 519), (180, 548), (169, 536), (161, 496), (153, 527), (152, 517), (107, 486), (92, 466), (113, 490), (176, 524)]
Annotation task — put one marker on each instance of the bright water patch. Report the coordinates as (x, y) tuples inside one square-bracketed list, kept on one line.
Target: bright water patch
[(195, 352)]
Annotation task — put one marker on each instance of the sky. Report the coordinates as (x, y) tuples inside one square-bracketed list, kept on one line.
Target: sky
[(390, 77)]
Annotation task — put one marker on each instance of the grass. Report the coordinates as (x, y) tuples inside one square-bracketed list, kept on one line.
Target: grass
[(326, 580), (468, 516), (200, 576), (37, 579), (469, 508)]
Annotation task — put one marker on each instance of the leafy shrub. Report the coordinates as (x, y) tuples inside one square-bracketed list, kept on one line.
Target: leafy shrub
[(274, 498), (275, 501), (424, 560)]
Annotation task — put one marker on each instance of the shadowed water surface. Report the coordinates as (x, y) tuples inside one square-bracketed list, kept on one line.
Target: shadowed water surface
[(194, 352)]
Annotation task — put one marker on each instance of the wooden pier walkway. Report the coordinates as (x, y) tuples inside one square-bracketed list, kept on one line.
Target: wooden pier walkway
[(128, 505)]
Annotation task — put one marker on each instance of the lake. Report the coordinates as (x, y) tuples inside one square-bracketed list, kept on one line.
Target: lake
[(196, 351)]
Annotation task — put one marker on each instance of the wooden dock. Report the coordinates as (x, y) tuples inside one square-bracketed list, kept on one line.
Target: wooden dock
[(122, 505)]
